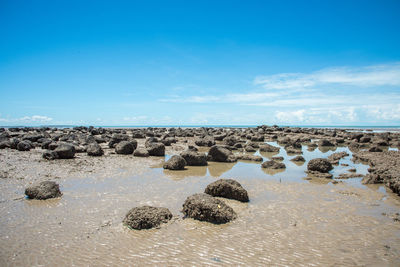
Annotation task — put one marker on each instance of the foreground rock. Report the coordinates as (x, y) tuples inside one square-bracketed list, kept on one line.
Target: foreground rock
[(227, 188), (156, 149), (221, 154), (194, 158), (384, 168), (176, 162), (125, 148), (319, 165), (43, 190), (204, 207), (65, 151), (272, 164), (146, 217), (95, 150)]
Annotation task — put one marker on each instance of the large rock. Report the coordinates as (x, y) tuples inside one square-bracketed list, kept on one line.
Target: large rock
[(24, 146), (268, 148), (50, 155), (205, 141), (116, 138), (204, 207), (146, 217), (65, 151), (94, 149), (194, 158), (43, 190), (176, 162), (319, 165), (220, 154), (124, 148), (272, 164), (156, 149), (227, 188)]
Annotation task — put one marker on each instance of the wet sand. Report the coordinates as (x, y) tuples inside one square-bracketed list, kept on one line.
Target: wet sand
[(288, 221)]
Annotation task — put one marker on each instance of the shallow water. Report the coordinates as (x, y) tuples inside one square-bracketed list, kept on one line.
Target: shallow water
[(288, 221)]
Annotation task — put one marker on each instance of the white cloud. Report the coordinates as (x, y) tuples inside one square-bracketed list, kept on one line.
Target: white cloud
[(35, 118), (379, 75)]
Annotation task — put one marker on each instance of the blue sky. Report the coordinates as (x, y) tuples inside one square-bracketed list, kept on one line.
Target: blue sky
[(200, 62)]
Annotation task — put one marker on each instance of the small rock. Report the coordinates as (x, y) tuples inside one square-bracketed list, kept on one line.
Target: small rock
[(146, 217), (176, 162), (227, 188), (141, 152), (94, 149), (43, 190), (271, 164), (319, 165)]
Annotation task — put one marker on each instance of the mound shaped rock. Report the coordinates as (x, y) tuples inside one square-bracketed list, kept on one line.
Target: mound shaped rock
[(124, 148), (141, 152), (272, 164), (204, 207), (176, 162), (220, 154), (146, 217), (43, 190), (227, 188), (319, 165), (194, 158), (94, 149), (156, 149), (65, 151)]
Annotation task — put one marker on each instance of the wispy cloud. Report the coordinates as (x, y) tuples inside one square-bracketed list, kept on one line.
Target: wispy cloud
[(378, 75), (27, 119)]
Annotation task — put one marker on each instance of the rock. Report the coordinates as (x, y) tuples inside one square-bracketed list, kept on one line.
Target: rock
[(176, 162), (116, 138), (319, 165), (43, 190), (268, 148), (250, 149), (65, 151), (50, 155), (325, 142), (204, 207), (94, 149), (277, 158), (227, 188), (205, 141), (349, 175), (156, 149), (146, 217), (249, 157), (320, 175), (220, 154), (194, 158), (298, 159), (335, 157), (24, 146), (141, 152), (271, 164), (375, 149), (124, 148)]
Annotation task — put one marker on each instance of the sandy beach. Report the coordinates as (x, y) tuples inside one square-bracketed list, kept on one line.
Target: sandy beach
[(292, 218)]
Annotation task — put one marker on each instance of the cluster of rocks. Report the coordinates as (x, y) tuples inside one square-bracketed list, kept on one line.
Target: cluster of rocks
[(203, 207)]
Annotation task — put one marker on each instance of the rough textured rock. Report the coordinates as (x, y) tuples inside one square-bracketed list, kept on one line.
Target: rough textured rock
[(335, 157), (325, 142), (94, 149), (220, 154), (124, 148), (271, 164), (156, 149), (141, 152), (204, 207), (43, 190), (194, 158), (24, 146), (227, 188), (176, 162), (50, 155), (319, 165), (249, 157), (146, 217), (205, 141), (298, 159), (320, 175), (65, 151), (268, 148)]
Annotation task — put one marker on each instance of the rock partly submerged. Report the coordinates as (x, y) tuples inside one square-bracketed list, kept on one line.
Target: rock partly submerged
[(227, 188), (43, 190), (146, 217)]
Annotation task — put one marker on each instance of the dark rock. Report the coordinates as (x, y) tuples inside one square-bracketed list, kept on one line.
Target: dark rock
[(249, 157), (65, 151), (268, 148), (319, 165), (205, 141), (156, 149), (141, 152), (319, 175), (227, 188), (271, 164), (50, 155), (176, 162), (94, 149), (24, 146), (204, 207), (220, 154), (298, 159), (124, 148), (375, 149), (43, 190), (325, 142), (146, 217), (116, 138), (194, 158), (250, 149)]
